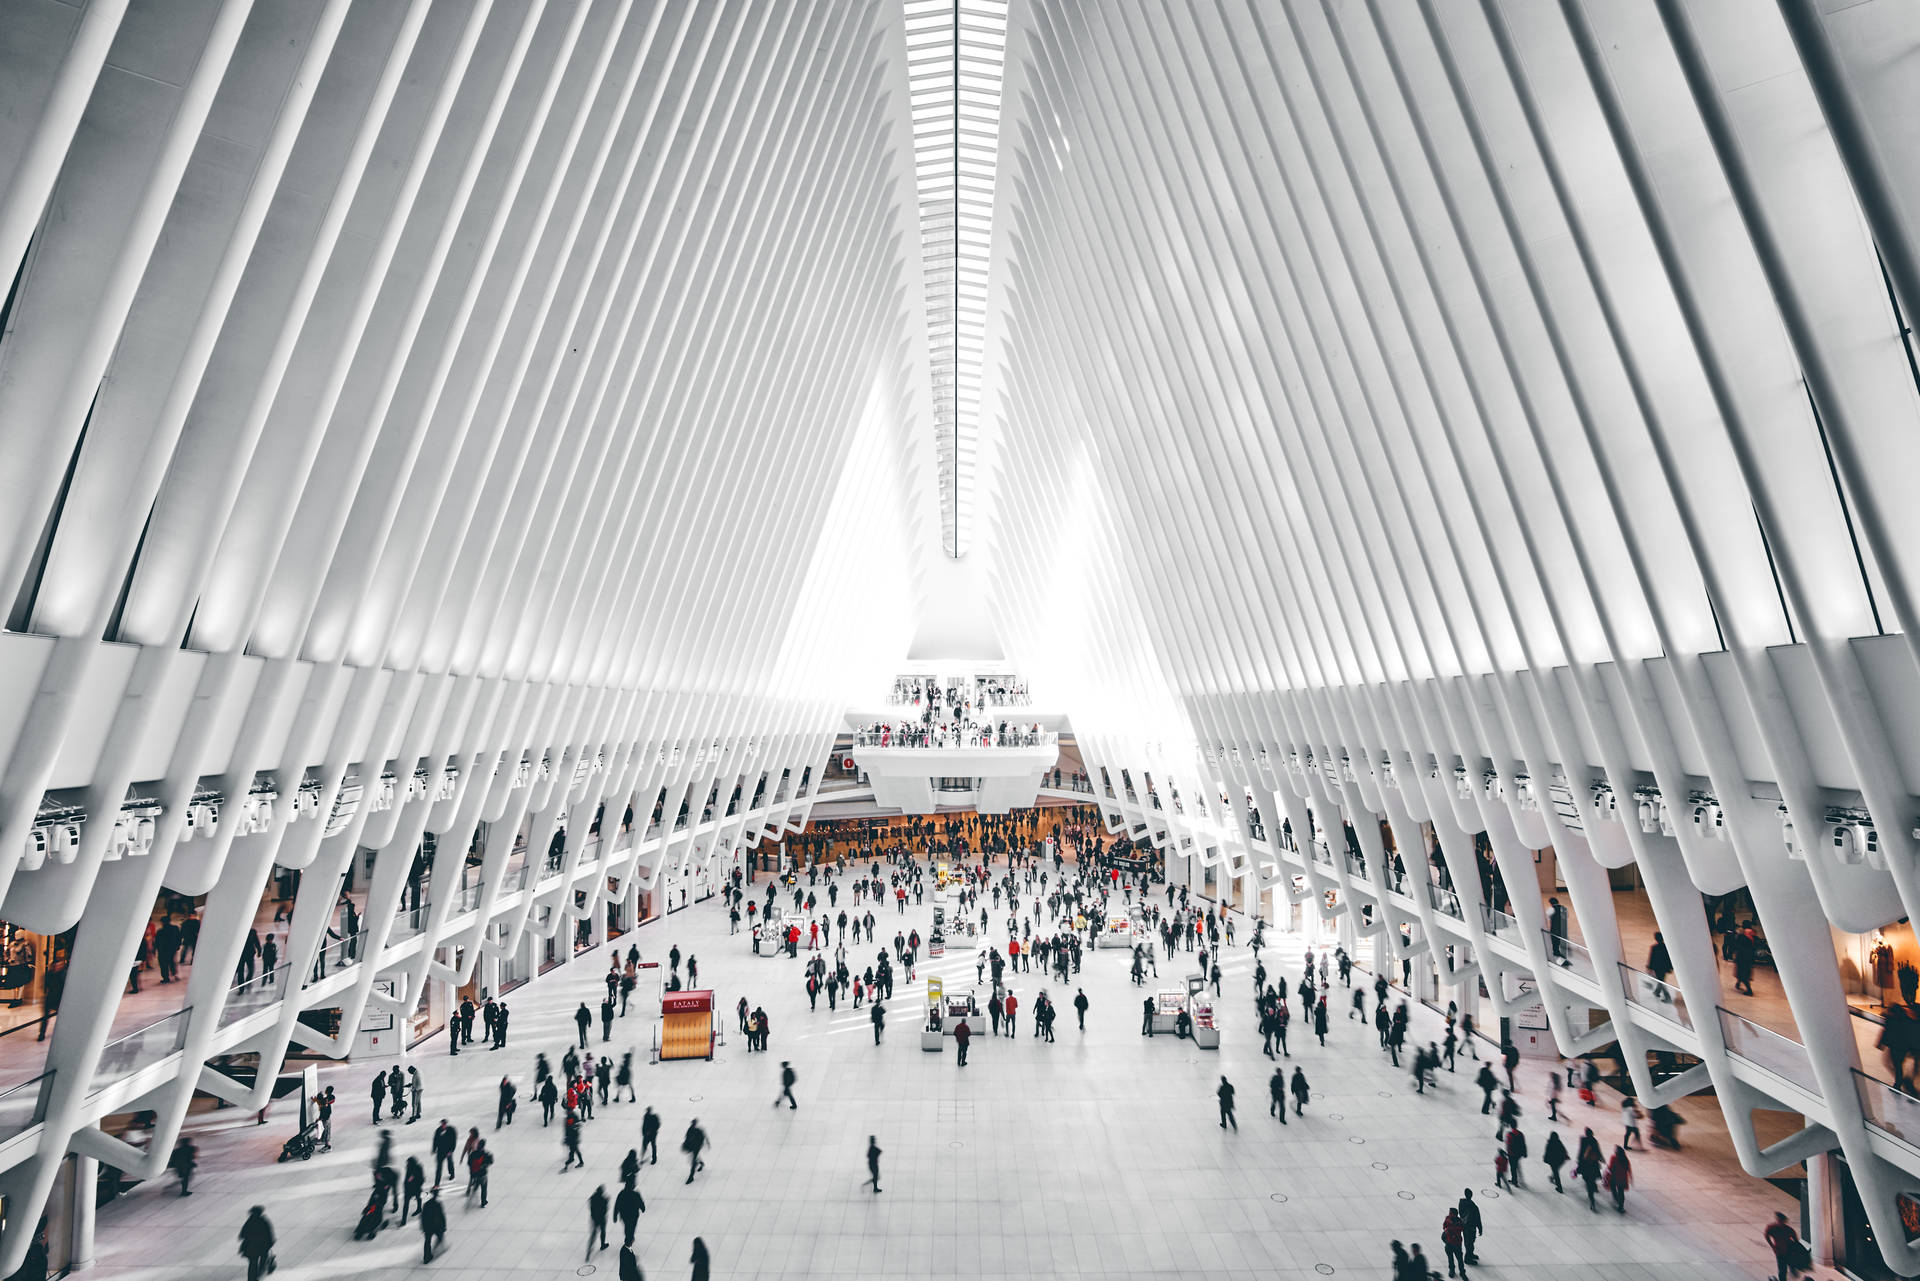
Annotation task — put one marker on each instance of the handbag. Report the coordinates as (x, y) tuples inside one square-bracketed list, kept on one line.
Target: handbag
[(1586, 1095)]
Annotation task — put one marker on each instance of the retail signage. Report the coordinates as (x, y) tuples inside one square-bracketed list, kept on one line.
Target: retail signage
[(686, 1002)]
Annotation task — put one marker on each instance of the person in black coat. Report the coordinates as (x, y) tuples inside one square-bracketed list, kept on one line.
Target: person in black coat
[(433, 1225)]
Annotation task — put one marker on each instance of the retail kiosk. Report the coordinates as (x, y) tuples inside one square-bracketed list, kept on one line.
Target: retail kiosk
[(770, 933), (1117, 932), (1206, 1032), (947, 1011), (686, 1028)]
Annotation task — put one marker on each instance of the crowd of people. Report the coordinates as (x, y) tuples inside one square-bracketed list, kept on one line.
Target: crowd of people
[(1011, 875)]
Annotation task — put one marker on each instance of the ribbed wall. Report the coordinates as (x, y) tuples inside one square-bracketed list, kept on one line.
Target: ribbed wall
[(417, 415), (1490, 418)]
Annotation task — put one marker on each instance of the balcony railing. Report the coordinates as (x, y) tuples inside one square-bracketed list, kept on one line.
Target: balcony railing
[(1320, 853), (1257, 830), (255, 995), (142, 1048), (1765, 1048), (24, 1106), (1445, 901), (1356, 866), (921, 736), (1889, 1109), (1650, 993), (1503, 927), (336, 955), (1570, 955)]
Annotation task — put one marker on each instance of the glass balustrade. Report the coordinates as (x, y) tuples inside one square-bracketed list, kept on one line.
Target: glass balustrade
[(1765, 1048), (141, 1049), (254, 995), (1356, 866), (1650, 993), (1570, 955), (1889, 1109), (336, 955), (408, 922), (1503, 927), (1445, 901), (24, 1106)]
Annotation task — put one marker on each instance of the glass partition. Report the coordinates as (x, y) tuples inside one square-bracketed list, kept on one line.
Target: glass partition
[(1764, 1048), (140, 1049), (1649, 993), (23, 1107)]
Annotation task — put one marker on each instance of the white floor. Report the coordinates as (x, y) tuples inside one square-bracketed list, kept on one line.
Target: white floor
[(1096, 1156)]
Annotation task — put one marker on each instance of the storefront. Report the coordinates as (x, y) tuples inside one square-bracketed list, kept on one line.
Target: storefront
[(1856, 1249)]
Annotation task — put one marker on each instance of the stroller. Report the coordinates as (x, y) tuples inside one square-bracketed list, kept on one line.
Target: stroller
[(301, 1146), (373, 1216)]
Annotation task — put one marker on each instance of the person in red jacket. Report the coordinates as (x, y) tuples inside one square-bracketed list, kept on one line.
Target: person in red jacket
[(961, 1034), (1006, 1019), (1788, 1254)]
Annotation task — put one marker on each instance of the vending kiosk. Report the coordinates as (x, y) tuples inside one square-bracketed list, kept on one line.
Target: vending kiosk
[(686, 1028)]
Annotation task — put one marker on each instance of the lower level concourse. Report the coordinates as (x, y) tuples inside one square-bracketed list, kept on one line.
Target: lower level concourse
[(1098, 1153)]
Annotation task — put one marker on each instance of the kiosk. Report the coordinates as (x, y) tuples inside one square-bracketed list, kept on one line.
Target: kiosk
[(686, 1028), (1166, 1012), (1117, 932), (1206, 1034), (947, 1011), (770, 932)]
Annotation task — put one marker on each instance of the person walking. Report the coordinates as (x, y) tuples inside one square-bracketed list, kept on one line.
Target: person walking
[(692, 1144), (1630, 1123), (1007, 1010), (1146, 1017), (1225, 1094), (873, 1164), (1488, 1083), (1300, 1092), (1619, 1178), (445, 1137), (477, 1166), (570, 1137), (433, 1225), (1553, 1156), (256, 1243), (185, 1158), (1586, 1165), (1277, 1094), (597, 1218), (1452, 1239), (503, 1113), (1469, 1211), (1080, 1007), (583, 1019), (879, 1016), (787, 1078), (650, 1136), (1790, 1257), (701, 1263), (628, 1206), (962, 1034)]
